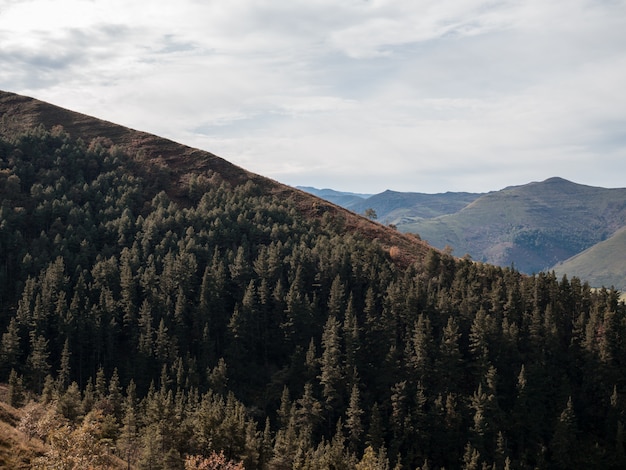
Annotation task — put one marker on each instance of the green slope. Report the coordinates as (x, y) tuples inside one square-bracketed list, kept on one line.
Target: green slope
[(603, 264)]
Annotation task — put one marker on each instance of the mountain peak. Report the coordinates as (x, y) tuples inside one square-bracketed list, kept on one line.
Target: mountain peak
[(557, 179)]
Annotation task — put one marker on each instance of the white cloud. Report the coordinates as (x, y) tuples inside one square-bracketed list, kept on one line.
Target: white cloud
[(360, 95)]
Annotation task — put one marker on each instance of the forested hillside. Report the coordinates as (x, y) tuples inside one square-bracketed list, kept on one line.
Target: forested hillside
[(173, 322)]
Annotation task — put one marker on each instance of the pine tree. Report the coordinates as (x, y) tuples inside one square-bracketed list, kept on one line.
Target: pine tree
[(63, 376), (38, 361), (10, 348), (128, 440), (69, 403), (145, 329), (308, 413), (471, 458), (351, 333), (449, 360), (376, 430), (336, 298), (564, 441), (114, 395), (480, 333), (331, 373), (422, 348), (16, 390), (373, 460), (354, 423)]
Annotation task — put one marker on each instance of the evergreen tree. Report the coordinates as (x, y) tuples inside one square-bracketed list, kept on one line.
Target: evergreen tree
[(354, 423), (16, 390), (38, 361), (449, 360), (564, 442), (63, 376), (10, 348), (331, 375)]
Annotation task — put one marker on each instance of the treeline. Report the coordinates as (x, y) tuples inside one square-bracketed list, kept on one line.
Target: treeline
[(226, 321)]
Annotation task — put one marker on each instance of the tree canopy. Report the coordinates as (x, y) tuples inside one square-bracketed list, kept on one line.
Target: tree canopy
[(221, 324)]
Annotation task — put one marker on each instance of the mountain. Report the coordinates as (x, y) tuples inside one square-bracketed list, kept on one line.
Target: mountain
[(161, 308), (174, 164), (393, 207), (343, 199), (602, 265), (533, 226), (400, 208)]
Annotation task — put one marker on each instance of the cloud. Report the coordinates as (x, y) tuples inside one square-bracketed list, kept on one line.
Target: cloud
[(360, 95)]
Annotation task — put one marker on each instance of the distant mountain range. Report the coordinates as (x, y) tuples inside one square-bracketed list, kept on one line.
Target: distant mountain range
[(555, 224), (393, 207)]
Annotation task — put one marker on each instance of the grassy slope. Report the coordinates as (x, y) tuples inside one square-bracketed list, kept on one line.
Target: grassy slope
[(16, 450), (603, 264), (532, 226)]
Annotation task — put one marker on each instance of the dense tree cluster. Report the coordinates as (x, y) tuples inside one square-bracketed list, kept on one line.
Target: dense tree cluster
[(224, 326)]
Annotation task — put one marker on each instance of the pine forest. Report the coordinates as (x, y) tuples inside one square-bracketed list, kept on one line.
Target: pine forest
[(219, 326)]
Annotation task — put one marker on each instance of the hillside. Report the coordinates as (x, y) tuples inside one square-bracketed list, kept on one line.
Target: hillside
[(533, 226), (22, 449), (175, 163), (602, 265), (16, 450), (164, 309)]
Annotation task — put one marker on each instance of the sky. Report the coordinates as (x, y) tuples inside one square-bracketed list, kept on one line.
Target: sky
[(356, 95)]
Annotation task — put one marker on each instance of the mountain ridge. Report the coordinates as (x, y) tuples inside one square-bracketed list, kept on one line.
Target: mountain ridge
[(533, 226), (19, 113), (393, 207)]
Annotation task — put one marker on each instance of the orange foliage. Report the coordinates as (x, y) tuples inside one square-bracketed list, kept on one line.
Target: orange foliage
[(214, 462)]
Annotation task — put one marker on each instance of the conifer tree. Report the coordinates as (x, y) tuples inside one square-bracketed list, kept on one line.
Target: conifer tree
[(308, 413), (354, 422), (10, 350), (564, 441), (63, 374), (38, 360), (449, 361), (128, 440), (16, 390), (331, 374), (376, 430)]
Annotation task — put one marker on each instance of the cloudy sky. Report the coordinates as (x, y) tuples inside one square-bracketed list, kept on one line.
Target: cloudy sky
[(356, 95)]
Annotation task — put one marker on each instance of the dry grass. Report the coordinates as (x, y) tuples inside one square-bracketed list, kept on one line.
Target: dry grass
[(16, 450)]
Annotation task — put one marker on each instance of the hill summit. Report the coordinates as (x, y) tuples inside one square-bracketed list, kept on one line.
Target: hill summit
[(176, 164)]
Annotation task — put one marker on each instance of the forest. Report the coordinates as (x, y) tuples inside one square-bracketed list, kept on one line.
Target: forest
[(220, 327)]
